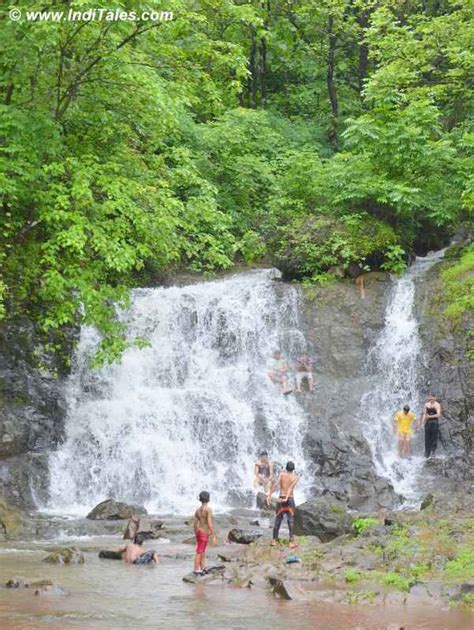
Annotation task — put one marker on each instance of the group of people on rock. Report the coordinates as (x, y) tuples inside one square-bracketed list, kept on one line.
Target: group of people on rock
[(287, 479), (405, 419), (278, 372)]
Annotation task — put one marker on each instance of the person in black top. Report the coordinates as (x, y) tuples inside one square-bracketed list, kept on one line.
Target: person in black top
[(263, 472), (429, 420)]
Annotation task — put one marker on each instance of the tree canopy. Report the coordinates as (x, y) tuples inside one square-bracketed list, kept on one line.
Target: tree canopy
[(309, 134)]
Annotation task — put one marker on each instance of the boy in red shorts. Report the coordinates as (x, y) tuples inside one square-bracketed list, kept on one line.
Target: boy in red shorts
[(203, 528)]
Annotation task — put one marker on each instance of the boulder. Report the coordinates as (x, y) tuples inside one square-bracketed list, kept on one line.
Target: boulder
[(66, 555), (243, 537), (40, 587), (322, 517), (212, 574), (427, 501), (51, 589), (11, 520), (150, 527), (114, 510), (262, 502)]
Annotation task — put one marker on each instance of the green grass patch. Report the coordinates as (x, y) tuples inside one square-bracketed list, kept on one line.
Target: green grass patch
[(398, 581), (352, 575), (360, 525), (462, 566)]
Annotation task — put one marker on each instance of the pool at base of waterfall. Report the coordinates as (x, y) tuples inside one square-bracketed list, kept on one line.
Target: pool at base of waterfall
[(109, 594)]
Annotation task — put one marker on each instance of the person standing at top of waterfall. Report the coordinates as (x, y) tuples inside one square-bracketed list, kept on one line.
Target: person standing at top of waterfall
[(430, 420), (304, 370), (263, 472), (287, 481), (403, 420), (278, 371), (203, 528)]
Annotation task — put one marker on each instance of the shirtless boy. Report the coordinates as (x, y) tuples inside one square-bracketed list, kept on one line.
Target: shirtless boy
[(203, 528), (287, 481), (134, 554)]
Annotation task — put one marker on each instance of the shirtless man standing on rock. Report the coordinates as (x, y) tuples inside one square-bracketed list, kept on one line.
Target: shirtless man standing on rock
[(287, 481)]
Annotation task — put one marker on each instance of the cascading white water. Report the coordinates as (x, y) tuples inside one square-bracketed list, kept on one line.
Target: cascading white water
[(393, 365), (189, 412)]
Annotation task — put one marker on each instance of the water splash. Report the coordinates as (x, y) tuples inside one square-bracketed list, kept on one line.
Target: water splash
[(393, 367), (189, 412)]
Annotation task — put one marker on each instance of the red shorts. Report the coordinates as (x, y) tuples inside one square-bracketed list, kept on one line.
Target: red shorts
[(201, 539)]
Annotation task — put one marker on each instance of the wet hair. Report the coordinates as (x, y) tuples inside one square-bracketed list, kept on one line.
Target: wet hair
[(290, 466), (431, 396), (204, 496), (406, 408), (263, 453), (139, 538)]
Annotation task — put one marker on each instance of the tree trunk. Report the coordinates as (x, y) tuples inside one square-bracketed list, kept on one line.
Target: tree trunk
[(331, 83)]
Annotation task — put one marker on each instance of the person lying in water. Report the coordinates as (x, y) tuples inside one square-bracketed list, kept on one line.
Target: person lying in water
[(134, 554)]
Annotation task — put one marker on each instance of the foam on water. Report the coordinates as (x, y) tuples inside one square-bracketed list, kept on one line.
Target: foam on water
[(393, 366), (191, 410)]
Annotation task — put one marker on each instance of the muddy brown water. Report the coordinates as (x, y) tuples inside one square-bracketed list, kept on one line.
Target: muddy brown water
[(107, 594)]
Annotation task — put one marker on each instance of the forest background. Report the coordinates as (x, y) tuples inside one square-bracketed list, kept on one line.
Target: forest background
[(324, 137)]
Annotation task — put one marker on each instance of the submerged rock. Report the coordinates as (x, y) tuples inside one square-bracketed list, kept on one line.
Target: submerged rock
[(105, 554), (325, 518), (66, 555), (40, 587), (115, 510), (243, 537)]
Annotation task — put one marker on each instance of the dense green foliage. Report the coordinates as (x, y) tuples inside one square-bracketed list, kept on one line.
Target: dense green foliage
[(310, 134)]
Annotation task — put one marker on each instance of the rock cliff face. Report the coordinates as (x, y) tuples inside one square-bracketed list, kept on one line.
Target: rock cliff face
[(341, 324), (31, 412), (448, 373)]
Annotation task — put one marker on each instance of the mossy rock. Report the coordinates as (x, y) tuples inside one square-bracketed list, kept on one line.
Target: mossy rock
[(11, 520), (66, 555)]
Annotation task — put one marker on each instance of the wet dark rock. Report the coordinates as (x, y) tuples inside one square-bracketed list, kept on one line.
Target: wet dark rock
[(32, 411), (51, 589), (114, 510), (149, 527), (66, 555), (279, 588), (427, 501), (243, 537), (447, 372), (213, 574), (110, 555), (325, 518)]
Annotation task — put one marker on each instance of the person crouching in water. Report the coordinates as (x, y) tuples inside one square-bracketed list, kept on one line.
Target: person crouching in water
[(134, 554), (403, 421), (203, 528), (287, 481)]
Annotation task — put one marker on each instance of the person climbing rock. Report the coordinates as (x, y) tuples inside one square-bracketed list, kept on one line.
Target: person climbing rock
[(278, 371), (287, 481), (304, 370), (203, 528), (430, 420), (403, 420), (134, 554), (263, 472)]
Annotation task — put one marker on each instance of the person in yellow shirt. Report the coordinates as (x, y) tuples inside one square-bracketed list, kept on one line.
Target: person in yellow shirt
[(403, 421)]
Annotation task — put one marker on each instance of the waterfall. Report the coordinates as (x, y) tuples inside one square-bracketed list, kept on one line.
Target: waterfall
[(393, 369), (190, 411)]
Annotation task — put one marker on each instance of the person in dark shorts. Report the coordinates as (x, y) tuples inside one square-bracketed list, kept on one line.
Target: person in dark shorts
[(287, 481), (430, 420), (134, 554)]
